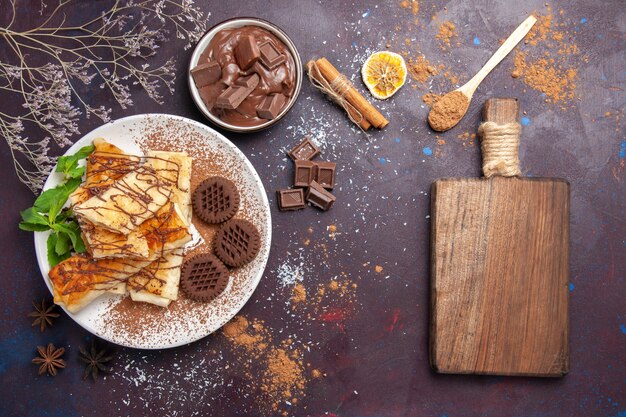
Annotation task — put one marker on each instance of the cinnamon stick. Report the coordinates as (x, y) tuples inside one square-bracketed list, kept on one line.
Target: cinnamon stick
[(363, 123), (353, 97)]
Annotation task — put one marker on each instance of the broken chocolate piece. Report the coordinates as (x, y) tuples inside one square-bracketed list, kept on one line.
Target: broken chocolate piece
[(305, 150), (271, 106), (247, 52), (270, 55), (251, 81), (326, 174), (207, 73), (306, 171), (232, 97), (319, 197), (292, 199)]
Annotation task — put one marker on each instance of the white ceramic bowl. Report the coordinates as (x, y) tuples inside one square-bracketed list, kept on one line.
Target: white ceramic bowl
[(235, 23)]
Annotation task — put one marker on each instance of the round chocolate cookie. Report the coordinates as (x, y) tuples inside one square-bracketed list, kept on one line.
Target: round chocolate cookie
[(204, 277), (216, 200), (237, 242)]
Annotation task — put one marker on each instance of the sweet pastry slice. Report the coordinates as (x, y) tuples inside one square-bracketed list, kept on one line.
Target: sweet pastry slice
[(175, 168), (158, 282), (128, 202), (103, 243), (80, 279), (106, 164), (166, 231)]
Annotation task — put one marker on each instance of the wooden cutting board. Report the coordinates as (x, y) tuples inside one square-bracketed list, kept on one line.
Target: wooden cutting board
[(499, 271)]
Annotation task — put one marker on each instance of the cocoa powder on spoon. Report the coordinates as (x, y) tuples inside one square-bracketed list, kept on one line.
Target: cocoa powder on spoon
[(448, 111)]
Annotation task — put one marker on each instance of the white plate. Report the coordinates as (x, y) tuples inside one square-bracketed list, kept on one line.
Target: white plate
[(140, 325)]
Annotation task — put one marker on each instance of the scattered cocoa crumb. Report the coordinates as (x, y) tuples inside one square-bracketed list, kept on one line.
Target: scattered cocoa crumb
[(447, 31), (411, 4), (430, 98), (299, 294), (545, 75), (421, 69), (549, 69), (282, 371)]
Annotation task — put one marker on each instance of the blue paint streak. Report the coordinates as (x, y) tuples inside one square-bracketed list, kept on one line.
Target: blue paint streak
[(427, 151), (525, 121), (397, 140), (382, 160), (476, 40), (622, 150), (366, 13), (583, 20), (571, 286), (622, 328)]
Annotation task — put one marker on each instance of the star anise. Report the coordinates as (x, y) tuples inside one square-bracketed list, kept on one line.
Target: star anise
[(43, 314), (95, 360), (49, 359)]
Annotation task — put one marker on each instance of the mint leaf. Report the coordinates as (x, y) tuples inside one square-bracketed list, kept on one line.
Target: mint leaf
[(76, 172), (67, 164), (64, 191), (30, 215), (43, 202), (62, 245), (63, 215), (73, 231), (53, 258), (33, 227)]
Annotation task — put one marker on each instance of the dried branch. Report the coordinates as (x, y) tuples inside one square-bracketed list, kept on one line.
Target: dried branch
[(112, 49)]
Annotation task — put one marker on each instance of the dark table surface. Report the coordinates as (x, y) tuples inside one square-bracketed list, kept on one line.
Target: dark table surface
[(369, 341)]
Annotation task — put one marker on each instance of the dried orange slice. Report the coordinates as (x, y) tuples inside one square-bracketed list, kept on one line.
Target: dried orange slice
[(384, 73)]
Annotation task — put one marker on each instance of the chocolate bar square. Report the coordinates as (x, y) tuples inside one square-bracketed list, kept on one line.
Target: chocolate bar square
[(326, 174), (247, 52), (319, 197), (306, 172), (271, 106), (270, 57), (305, 150), (207, 73), (251, 81), (292, 199), (234, 95)]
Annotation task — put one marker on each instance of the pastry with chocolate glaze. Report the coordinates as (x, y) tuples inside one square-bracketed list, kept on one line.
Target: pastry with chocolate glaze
[(149, 194)]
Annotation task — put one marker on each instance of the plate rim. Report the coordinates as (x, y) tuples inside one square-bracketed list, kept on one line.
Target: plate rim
[(42, 258)]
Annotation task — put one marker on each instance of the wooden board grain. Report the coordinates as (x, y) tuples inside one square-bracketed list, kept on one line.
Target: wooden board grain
[(499, 276)]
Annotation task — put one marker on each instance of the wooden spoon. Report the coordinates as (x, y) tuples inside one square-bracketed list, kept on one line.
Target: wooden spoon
[(451, 108)]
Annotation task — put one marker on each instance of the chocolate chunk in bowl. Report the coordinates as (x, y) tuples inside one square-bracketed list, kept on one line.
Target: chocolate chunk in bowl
[(243, 47)]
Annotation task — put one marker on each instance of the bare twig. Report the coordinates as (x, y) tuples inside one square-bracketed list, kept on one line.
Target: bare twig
[(112, 50)]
